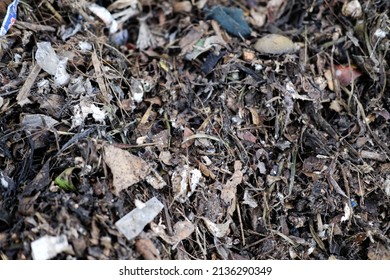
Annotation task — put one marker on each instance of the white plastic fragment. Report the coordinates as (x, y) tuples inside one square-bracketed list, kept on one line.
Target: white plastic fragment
[(347, 213), (105, 16), (82, 110), (51, 63), (48, 247), (61, 77), (85, 46), (386, 185), (132, 224), (47, 58), (380, 33), (137, 90)]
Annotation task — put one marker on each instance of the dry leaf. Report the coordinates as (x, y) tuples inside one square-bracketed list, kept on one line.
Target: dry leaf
[(205, 171), (24, 92), (247, 136), (155, 180), (166, 157), (218, 230), (146, 248), (126, 168), (249, 200), (228, 194), (184, 181), (346, 74), (181, 230), (378, 252), (161, 139), (255, 116), (187, 133)]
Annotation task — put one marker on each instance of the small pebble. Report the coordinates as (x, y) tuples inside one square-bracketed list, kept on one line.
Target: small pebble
[(274, 44)]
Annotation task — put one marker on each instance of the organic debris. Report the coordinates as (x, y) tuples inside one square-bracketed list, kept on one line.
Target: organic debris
[(202, 129)]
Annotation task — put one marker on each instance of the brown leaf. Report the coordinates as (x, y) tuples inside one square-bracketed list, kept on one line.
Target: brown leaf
[(218, 230), (255, 116), (182, 230), (161, 139), (247, 136), (187, 133), (126, 168), (228, 194), (146, 249)]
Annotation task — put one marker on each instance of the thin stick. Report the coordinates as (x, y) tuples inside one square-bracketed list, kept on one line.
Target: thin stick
[(241, 226)]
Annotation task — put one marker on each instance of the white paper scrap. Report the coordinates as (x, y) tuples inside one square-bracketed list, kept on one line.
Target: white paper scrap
[(48, 247)]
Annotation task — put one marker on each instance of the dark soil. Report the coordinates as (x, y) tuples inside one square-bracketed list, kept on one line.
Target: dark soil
[(259, 156)]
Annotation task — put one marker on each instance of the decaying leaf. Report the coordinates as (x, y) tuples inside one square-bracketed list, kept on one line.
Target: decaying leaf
[(188, 41), (155, 180), (184, 182), (218, 230), (229, 190), (64, 180), (249, 200), (31, 122), (166, 157), (127, 169), (181, 230), (187, 133), (247, 136), (378, 252), (146, 248)]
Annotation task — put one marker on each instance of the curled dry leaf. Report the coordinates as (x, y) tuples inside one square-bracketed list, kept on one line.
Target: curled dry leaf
[(105, 16), (275, 8), (127, 169), (181, 230), (218, 230)]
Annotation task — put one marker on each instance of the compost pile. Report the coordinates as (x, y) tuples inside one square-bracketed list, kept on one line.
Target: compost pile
[(141, 129)]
